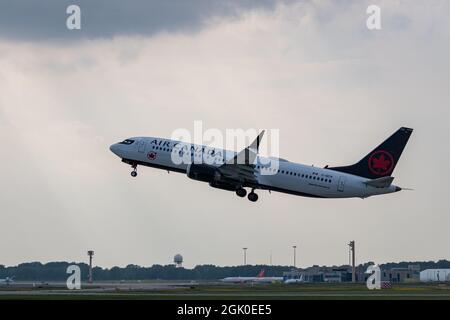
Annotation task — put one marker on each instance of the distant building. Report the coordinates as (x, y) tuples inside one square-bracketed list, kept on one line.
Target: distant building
[(435, 275), (344, 274), (321, 274), (398, 275), (332, 277)]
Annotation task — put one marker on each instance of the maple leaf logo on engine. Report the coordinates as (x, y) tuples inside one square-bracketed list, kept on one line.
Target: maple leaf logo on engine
[(381, 162)]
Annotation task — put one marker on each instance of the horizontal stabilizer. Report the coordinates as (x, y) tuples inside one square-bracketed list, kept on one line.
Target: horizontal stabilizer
[(380, 182)]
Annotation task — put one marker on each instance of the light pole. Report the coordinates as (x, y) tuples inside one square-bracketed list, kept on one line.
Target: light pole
[(245, 255), (295, 249), (352, 252), (90, 254)]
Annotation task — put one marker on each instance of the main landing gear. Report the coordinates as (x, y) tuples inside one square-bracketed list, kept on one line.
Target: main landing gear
[(241, 192), (134, 172), (252, 196)]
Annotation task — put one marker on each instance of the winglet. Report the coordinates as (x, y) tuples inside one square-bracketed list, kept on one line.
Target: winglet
[(255, 144), (248, 155)]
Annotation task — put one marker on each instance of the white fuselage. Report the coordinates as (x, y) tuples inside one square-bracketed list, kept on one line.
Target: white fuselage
[(288, 177), (252, 279)]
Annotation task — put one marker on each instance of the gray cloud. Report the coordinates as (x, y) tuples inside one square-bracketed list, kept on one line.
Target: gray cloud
[(312, 70), (46, 19)]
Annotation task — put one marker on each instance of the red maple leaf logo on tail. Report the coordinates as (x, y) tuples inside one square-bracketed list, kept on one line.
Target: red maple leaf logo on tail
[(381, 162)]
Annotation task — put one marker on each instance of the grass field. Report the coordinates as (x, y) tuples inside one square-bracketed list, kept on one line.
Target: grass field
[(224, 292)]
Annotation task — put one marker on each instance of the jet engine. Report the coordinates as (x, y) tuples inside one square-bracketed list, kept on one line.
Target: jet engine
[(210, 174), (202, 172)]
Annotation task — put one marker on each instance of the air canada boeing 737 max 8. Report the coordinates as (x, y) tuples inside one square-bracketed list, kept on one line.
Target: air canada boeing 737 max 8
[(232, 171)]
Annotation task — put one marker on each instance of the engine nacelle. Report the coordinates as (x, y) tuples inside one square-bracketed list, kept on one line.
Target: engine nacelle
[(202, 172), (210, 174)]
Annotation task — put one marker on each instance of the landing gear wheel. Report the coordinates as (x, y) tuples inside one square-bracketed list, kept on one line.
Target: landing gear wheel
[(134, 172), (253, 197), (241, 192)]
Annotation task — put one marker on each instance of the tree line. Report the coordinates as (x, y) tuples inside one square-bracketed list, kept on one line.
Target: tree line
[(56, 271)]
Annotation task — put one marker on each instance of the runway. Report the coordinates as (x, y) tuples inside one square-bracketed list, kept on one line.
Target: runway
[(167, 290)]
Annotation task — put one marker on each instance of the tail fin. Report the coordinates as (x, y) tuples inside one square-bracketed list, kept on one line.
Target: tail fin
[(260, 274), (382, 160)]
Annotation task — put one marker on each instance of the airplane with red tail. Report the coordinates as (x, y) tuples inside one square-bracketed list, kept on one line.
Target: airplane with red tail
[(237, 172)]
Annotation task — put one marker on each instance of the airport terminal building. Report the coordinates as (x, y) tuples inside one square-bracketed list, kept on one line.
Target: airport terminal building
[(344, 274)]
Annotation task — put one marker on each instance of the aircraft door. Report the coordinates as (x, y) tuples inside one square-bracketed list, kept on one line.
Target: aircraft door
[(141, 146), (341, 184)]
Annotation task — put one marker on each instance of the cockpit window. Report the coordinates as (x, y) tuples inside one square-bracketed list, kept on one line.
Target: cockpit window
[(127, 141)]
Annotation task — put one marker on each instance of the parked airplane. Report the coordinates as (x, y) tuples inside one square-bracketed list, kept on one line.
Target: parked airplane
[(236, 171), (294, 280), (258, 279), (7, 280)]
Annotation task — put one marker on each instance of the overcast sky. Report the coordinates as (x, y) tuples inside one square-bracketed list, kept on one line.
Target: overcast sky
[(311, 69)]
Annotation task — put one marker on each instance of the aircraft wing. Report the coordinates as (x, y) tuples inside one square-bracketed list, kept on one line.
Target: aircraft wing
[(239, 172), (241, 167)]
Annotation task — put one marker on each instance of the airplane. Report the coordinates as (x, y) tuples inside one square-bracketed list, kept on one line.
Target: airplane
[(294, 280), (232, 171), (7, 280), (258, 279)]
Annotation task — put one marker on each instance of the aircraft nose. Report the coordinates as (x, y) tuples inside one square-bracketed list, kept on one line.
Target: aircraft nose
[(114, 148), (397, 189)]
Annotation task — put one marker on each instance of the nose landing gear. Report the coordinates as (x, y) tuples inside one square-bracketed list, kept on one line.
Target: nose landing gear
[(134, 172)]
